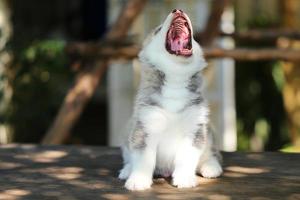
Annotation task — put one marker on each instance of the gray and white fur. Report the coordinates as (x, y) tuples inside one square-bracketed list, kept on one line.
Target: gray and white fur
[(169, 131)]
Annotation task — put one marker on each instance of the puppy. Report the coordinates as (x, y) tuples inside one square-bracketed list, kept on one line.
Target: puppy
[(169, 131)]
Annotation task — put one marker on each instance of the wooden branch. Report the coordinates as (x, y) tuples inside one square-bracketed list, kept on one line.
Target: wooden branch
[(87, 81), (253, 54), (92, 51), (129, 52), (212, 28), (264, 35), (125, 19)]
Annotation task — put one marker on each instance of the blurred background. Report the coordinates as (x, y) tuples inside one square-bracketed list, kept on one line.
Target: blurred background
[(51, 96)]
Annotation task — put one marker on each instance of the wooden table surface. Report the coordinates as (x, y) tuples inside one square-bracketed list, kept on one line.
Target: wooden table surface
[(90, 173)]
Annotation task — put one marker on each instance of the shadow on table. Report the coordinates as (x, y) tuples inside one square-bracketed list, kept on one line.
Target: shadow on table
[(81, 172)]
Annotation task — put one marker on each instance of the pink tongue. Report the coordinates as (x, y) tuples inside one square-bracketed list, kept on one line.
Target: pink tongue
[(179, 42)]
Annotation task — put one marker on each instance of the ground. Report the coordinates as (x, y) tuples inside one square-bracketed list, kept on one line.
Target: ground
[(90, 173)]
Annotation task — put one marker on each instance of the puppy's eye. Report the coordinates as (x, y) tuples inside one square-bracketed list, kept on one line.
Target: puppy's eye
[(157, 30)]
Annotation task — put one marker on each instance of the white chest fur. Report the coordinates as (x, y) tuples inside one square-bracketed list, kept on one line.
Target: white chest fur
[(174, 93)]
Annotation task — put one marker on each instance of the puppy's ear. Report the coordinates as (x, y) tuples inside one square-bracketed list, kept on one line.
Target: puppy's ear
[(157, 29), (151, 35)]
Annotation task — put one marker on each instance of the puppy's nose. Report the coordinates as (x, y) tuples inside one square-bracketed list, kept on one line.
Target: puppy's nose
[(177, 11)]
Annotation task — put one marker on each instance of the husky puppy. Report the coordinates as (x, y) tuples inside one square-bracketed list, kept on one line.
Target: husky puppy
[(169, 133)]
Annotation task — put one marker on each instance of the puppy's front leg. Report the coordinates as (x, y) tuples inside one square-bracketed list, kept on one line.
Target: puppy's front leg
[(186, 160), (143, 163)]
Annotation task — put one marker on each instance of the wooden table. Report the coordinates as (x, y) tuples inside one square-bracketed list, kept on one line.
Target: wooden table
[(90, 173)]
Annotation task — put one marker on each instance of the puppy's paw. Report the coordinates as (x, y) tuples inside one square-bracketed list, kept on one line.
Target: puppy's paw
[(182, 180), (211, 169), (138, 182), (124, 173)]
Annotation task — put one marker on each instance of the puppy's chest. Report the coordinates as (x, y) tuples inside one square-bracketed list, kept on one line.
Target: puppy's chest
[(173, 97), (168, 143)]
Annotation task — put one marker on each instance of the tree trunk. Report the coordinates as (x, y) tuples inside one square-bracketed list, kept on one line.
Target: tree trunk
[(212, 29), (5, 60), (291, 90)]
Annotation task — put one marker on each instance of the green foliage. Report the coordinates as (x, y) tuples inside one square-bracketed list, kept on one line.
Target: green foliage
[(290, 149), (278, 76), (243, 138), (260, 114), (40, 78), (260, 111), (262, 21)]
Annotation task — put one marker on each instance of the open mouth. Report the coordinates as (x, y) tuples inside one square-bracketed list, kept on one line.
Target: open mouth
[(178, 38)]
